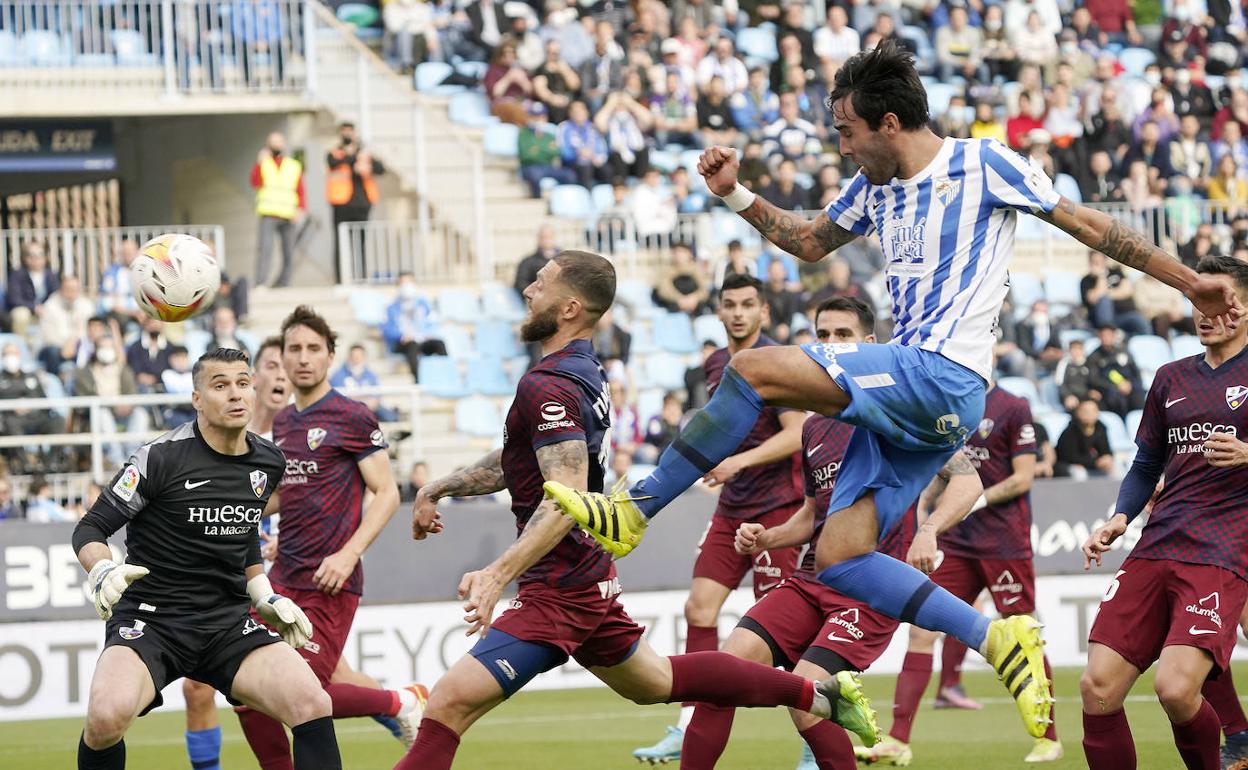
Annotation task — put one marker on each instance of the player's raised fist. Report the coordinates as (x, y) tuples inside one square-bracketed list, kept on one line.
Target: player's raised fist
[(719, 167), (749, 540)]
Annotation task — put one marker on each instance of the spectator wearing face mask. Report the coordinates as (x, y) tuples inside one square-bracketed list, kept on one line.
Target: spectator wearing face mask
[(16, 383), (148, 356), (108, 375), (411, 326)]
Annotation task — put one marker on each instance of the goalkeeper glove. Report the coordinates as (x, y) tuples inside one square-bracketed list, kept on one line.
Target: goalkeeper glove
[(107, 581), (279, 612)]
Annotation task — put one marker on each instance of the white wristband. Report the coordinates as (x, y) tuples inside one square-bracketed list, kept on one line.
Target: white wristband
[(259, 588), (739, 199), (980, 503)]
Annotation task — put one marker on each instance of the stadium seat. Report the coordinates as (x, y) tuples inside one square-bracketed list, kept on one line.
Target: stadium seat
[(924, 51), (1119, 439), (638, 472), (497, 339), (1023, 388), (470, 108), (664, 161), (572, 202), (664, 370), (501, 139), (131, 49), (8, 49), (1050, 394), (643, 340), (1133, 421), (477, 416), (54, 388), (759, 43), (1067, 336), (1025, 289), (487, 377), (1054, 423), (472, 69), (459, 305), (1134, 60), (358, 14), (1067, 187), (1150, 352), (649, 404), (689, 161), (430, 74), (369, 306), (439, 376), (639, 297), (458, 341), (1062, 287), (938, 96), (674, 333), (709, 327), (44, 48), (603, 196), (501, 301), (196, 343), (1186, 345)]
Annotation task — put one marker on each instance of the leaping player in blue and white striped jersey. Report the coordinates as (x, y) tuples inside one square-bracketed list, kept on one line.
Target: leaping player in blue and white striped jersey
[(945, 211)]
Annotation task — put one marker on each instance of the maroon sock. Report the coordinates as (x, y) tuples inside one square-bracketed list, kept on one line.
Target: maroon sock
[(1050, 733), (1107, 742), (267, 739), (351, 700), (831, 746), (706, 736), (722, 680), (952, 653), (434, 748), (916, 672), (1198, 739), (1220, 692), (701, 639)]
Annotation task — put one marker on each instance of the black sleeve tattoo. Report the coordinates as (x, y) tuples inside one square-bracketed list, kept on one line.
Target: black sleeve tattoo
[(1119, 242), (806, 239), (483, 477), (567, 459)]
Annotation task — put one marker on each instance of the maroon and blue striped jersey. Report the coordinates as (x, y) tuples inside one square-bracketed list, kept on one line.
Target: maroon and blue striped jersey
[(322, 491), (762, 488), (563, 398), (1201, 515), (999, 531)]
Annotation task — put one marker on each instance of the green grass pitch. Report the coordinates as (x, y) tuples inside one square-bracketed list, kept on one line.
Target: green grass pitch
[(582, 729)]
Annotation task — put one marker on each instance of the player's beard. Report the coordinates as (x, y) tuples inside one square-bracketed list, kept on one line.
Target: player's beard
[(540, 325)]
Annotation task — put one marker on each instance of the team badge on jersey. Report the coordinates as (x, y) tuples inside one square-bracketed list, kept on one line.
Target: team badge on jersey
[(947, 190), (985, 427), (1235, 396), (132, 632), (315, 437), (259, 482), (377, 438), (128, 483)]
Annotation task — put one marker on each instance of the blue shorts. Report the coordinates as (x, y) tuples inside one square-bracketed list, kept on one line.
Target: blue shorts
[(912, 408)]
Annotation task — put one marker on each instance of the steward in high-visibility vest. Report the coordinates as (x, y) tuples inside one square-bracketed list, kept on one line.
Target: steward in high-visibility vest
[(278, 193), (340, 182)]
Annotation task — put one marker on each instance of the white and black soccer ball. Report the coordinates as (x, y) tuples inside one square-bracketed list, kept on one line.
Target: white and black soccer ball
[(175, 277)]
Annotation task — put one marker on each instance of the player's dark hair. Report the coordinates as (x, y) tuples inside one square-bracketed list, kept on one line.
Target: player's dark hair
[(591, 277), (881, 81), (866, 316), (272, 341), (1224, 265), (221, 355), (741, 281), (304, 315)]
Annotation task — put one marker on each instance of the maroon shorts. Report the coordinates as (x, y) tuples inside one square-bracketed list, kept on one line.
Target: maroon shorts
[(587, 623), (719, 561), (1151, 604), (331, 618), (1012, 582), (801, 617)]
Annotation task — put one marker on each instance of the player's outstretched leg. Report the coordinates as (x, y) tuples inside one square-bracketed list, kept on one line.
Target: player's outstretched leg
[(775, 375), (275, 680), (120, 688), (203, 730)]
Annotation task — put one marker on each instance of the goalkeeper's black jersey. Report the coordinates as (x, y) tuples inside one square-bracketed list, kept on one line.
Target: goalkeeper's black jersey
[(191, 517)]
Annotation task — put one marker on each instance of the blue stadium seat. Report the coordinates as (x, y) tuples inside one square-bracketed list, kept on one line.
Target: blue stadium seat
[(487, 377), (8, 49), (1133, 422), (472, 69), (358, 15), (497, 339), (1186, 345), (1024, 389), (196, 343), (44, 48), (649, 404), (1119, 439), (369, 306), (689, 160), (759, 43), (1061, 287), (1050, 394), (1150, 352), (1054, 423), (571, 201), (54, 388), (131, 48), (1067, 187), (663, 370), (470, 108), (501, 301), (664, 161), (643, 340), (1134, 60), (603, 196), (440, 376), (925, 52), (639, 296), (430, 74), (709, 327), (501, 139), (478, 416), (674, 332), (938, 96), (459, 305), (1067, 336), (1025, 289), (458, 341)]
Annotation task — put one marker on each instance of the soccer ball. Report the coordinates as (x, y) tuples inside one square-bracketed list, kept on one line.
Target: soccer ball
[(175, 277)]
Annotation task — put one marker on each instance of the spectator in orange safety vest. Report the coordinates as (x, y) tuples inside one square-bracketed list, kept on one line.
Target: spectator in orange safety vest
[(280, 205), (350, 186)]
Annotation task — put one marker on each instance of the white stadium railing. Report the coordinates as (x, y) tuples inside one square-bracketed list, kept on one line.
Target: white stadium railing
[(87, 251), (178, 46), (98, 435)]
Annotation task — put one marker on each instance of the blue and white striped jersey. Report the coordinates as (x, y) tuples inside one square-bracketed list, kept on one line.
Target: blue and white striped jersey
[(947, 233)]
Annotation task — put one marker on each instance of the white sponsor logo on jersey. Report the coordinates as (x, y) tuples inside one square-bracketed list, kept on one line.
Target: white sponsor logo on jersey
[(846, 620), (1191, 438), (1207, 607), (554, 415)]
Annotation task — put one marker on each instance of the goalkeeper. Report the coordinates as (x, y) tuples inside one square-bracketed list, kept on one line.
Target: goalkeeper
[(191, 501)]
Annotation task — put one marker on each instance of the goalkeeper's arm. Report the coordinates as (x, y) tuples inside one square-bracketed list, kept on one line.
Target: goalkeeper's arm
[(106, 579)]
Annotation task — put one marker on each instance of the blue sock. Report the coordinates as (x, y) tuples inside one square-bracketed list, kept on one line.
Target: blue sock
[(901, 591), (712, 434), (204, 748), (390, 724)]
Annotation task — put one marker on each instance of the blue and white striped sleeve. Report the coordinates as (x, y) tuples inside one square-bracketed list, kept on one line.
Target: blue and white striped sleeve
[(1014, 182), (849, 210)]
